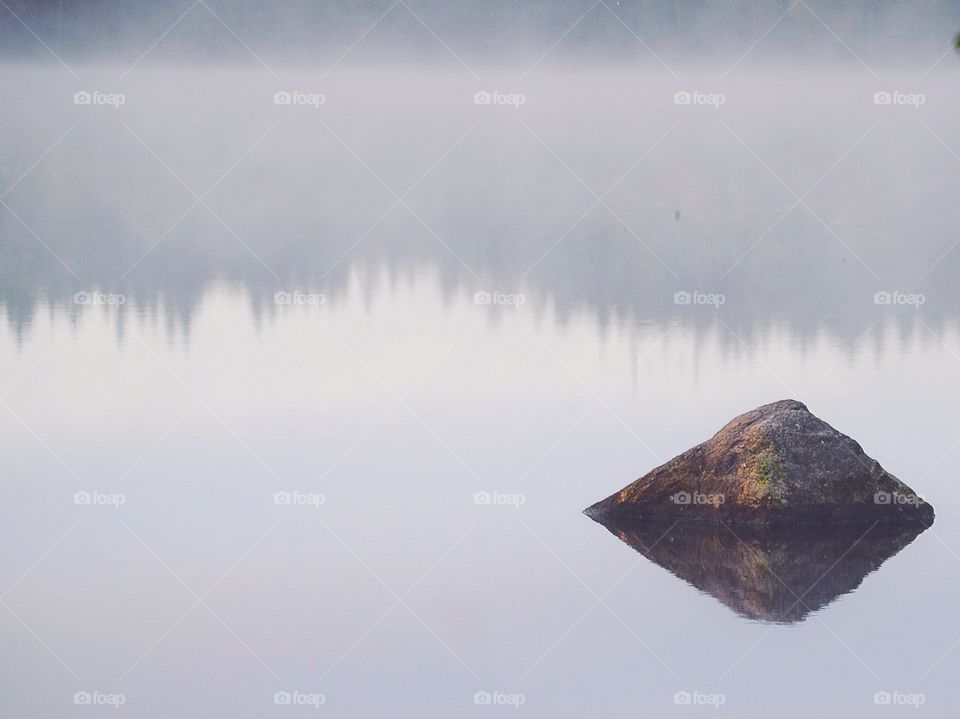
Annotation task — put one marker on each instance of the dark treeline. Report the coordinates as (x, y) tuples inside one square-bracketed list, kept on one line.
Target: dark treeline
[(497, 29)]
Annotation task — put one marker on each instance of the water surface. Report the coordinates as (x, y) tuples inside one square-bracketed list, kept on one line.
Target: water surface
[(483, 299)]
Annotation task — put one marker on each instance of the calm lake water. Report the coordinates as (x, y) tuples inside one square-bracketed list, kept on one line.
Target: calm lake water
[(439, 330)]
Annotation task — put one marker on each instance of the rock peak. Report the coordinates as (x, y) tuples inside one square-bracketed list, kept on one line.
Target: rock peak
[(782, 406), (776, 464)]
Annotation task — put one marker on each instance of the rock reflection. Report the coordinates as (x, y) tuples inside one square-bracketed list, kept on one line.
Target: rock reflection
[(770, 575)]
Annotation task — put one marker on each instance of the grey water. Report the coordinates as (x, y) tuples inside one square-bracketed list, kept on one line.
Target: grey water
[(302, 402)]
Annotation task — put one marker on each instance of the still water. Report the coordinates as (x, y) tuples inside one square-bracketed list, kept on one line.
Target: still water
[(308, 398)]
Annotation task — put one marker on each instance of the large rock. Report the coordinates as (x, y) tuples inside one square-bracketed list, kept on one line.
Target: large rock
[(778, 464)]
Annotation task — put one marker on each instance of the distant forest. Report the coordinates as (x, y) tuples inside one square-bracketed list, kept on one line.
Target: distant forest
[(79, 30)]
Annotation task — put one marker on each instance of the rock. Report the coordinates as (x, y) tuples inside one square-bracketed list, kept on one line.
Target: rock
[(778, 464), (770, 574)]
